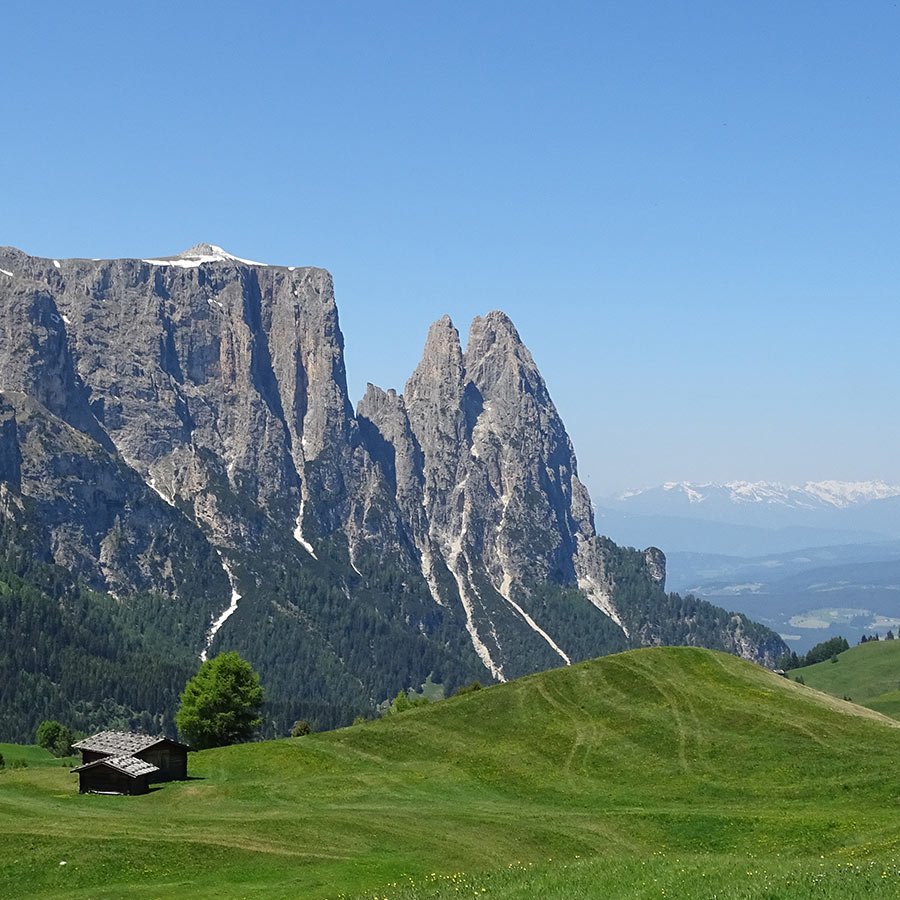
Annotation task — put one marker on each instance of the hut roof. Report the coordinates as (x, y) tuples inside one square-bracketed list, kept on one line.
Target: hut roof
[(127, 765), (117, 743)]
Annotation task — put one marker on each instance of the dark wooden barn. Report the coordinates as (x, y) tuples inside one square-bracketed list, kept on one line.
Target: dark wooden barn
[(168, 757), (115, 775)]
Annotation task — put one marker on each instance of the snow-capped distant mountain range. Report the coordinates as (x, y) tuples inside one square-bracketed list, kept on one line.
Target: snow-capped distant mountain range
[(811, 495), (772, 517), (812, 561)]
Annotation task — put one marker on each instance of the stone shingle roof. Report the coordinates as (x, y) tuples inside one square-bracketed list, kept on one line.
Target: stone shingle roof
[(127, 765), (121, 743)]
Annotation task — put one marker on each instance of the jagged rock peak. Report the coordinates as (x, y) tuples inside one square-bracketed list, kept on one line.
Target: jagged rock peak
[(433, 392), (494, 332), (373, 392), (495, 326), (499, 364), (376, 403), (442, 343)]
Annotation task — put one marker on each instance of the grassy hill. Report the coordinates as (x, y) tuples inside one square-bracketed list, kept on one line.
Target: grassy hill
[(659, 772), (869, 674), (15, 755)]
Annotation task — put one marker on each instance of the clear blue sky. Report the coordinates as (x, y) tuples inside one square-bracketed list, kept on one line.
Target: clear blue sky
[(691, 210)]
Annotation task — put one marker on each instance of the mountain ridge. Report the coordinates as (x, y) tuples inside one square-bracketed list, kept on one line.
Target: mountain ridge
[(839, 494), (202, 399)]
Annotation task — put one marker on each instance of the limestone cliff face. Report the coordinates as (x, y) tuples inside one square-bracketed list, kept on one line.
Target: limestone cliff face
[(504, 509), (656, 565), (485, 480), (156, 410), (10, 456), (209, 377)]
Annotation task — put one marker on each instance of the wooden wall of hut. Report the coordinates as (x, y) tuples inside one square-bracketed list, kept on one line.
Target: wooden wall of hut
[(170, 759), (103, 780)]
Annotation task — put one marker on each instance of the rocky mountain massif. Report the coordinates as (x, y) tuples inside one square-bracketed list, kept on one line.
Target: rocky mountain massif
[(181, 471)]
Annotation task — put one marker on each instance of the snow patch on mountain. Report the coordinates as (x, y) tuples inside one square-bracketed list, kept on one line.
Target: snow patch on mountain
[(229, 610), (199, 254), (846, 493), (298, 534)]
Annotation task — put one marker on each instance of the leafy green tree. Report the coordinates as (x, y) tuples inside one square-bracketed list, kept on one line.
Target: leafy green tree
[(301, 728), (220, 705), (54, 737)]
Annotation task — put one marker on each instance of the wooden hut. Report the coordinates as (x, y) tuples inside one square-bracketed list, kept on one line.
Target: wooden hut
[(168, 757), (115, 775)]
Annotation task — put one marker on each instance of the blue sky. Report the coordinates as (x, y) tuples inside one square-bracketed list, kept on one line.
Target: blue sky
[(691, 210)]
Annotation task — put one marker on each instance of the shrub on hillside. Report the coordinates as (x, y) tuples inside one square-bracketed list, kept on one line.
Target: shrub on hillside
[(403, 701), (55, 737), (301, 729)]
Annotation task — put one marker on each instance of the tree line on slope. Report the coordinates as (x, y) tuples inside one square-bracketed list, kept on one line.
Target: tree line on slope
[(70, 655), (822, 651), (84, 658)]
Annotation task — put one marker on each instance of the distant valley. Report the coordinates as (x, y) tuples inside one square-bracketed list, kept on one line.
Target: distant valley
[(811, 561)]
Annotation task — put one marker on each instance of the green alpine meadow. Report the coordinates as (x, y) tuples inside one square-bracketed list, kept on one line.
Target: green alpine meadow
[(868, 674), (661, 772), (449, 451)]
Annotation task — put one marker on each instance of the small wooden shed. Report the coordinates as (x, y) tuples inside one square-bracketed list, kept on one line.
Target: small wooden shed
[(168, 757), (115, 775)]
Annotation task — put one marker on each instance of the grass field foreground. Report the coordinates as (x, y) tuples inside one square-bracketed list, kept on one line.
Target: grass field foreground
[(658, 772)]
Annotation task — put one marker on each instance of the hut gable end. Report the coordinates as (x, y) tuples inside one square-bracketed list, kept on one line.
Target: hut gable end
[(115, 775)]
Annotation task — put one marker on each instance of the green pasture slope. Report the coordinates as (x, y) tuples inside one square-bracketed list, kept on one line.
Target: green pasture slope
[(869, 674), (18, 754), (670, 772)]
